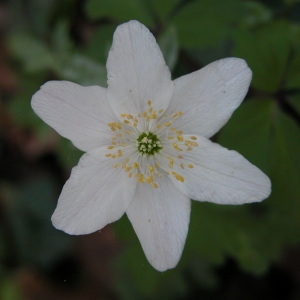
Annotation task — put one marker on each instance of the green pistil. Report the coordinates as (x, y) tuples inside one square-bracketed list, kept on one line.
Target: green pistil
[(148, 144)]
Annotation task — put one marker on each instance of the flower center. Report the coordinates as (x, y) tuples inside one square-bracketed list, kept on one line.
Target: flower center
[(148, 144), (137, 140)]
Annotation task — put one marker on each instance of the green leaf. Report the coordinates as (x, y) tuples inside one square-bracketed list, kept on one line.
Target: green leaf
[(20, 110), (33, 53), (285, 172), (292, 80), (61, 42), (248, 131), (217, 231), (294, 101), (33, 16), (266, 51), (80, 69), (36, 240), (100, 43), (119, 10), (271, 140), (256, 14), (164, 8), (168, 43), (203, 23), (9, 290), (132, 262), (68, 154)]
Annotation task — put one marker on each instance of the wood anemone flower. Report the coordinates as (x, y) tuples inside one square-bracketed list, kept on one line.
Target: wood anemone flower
[(147, 144)]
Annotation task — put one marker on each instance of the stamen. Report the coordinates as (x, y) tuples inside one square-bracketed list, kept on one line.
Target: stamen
[(145, 131), (178, 177)]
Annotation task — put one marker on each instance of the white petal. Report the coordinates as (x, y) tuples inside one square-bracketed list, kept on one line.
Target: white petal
[(208, 97), (137, 71), (221, 176), (160, 217), (96, 194), (75, 112)]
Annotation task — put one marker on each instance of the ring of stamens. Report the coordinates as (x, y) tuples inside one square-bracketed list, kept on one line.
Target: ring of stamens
[(130, 131)]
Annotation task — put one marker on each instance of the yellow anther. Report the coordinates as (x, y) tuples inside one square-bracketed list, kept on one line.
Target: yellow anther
[(154, 185), (151, 169), (193, 138), (112, 127), (150, 179), (178, 177), (122, 135), (141, 178), (175, 146), (171, 162), (124, 164), (179, 138), (190, 166), (194, 144), (191, 144)]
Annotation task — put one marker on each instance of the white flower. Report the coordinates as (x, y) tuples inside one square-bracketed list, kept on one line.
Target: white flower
[(147, 144)]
